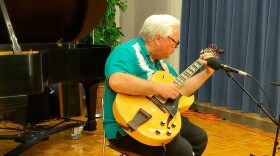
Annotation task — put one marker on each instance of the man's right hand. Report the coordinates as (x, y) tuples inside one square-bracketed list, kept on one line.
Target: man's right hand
[(168, 90)]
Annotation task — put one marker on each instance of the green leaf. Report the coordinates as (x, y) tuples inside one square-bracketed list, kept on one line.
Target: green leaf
[(107, 31)]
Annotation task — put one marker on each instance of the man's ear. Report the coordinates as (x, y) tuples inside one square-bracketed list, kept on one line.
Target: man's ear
[(157, 39)]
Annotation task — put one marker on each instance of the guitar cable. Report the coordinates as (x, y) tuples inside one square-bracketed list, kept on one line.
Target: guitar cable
[(164, 150)]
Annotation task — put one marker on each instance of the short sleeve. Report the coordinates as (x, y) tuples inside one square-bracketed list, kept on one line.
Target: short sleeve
[(120, 60)]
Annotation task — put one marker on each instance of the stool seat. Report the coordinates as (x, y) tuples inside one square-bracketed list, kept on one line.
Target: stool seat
[(127, 153)]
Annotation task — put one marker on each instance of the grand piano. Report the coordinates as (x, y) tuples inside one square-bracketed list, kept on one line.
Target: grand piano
[(39, 46)]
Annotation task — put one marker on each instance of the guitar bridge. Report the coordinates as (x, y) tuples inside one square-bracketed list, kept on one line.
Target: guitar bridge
[(140, 117)]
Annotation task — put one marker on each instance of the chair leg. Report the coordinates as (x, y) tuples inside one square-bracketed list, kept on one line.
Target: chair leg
[(104, 144), (104, 137)]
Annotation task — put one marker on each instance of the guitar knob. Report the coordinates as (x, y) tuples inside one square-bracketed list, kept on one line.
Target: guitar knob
[(158, 132), (168, 133), (162, 123), (173, 125)]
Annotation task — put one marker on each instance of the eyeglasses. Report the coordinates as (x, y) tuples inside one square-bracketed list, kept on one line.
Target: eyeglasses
[(176, 42)]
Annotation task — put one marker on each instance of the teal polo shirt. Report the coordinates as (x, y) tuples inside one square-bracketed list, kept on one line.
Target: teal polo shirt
[(133, 58)]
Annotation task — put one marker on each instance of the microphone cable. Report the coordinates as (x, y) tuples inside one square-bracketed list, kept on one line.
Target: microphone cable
[(269, 104)]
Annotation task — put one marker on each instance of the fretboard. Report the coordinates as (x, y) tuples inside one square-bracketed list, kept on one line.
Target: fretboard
[(188, 73)]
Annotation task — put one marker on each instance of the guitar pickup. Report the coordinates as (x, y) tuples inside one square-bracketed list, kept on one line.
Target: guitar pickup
[(156, 102)]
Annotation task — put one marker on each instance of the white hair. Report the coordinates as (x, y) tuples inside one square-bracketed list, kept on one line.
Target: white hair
[(158, 24)]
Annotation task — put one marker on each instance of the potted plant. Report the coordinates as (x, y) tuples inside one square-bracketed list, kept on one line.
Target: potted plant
[(107, 32)]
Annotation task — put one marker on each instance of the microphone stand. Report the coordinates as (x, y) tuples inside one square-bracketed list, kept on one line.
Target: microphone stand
[(276, 140), (262, 108)]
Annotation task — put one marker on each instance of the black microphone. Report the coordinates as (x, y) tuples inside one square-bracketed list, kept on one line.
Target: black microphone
[(216, 64)]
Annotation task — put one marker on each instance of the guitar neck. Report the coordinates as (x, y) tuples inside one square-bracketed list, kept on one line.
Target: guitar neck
[(188, 72)]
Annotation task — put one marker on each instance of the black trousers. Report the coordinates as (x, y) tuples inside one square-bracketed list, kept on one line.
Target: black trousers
[(191, 139)]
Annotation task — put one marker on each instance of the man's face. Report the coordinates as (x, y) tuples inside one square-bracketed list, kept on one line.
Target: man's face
[(169, 44)]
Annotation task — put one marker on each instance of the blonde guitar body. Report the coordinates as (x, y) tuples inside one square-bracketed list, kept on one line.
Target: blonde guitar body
[(152, 132)]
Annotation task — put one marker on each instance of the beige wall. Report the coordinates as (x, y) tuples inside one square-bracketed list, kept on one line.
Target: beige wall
[(138, 10)]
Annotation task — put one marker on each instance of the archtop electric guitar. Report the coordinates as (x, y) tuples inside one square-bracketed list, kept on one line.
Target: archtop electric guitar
[(151, 119)]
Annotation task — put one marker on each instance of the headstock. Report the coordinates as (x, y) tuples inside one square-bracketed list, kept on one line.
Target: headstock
[(212, 48)]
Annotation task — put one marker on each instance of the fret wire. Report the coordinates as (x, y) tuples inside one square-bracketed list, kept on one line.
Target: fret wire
[(193, 68), (187, 74), (197, 64), (177, 82), (182, 78), (190, 72), (181, 81)]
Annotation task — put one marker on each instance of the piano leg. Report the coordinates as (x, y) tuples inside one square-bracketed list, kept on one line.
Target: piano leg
[(91, 95)]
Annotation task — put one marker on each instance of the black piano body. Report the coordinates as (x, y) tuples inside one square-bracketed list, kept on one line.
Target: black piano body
[(48, 32), (28, 76)]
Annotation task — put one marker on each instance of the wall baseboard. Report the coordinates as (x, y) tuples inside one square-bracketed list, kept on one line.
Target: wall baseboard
[(248, 119)]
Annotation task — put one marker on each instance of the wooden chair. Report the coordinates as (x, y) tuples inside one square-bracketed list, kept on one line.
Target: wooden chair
[(107, 144)]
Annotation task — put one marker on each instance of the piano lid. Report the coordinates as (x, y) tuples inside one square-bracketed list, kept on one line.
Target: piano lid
[(48, 21)]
